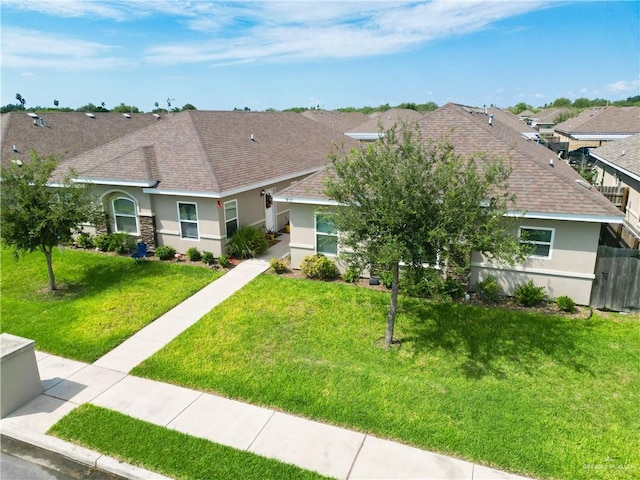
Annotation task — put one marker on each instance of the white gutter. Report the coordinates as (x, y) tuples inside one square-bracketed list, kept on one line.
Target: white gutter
[(615, 166), (119, 183), (306, 200), (603, 136), (567, 216), (365, 136)]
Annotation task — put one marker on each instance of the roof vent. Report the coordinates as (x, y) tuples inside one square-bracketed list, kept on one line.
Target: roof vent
[(551, 162), (253, 139), (126, 115), (32, 115), (41, 122), (15, 149), (491, 120), (586, 185), (90, 115), (157, 116), (624, 152)]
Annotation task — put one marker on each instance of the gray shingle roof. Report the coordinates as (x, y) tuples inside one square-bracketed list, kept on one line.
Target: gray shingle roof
[(511, 120), (603, 120), (213, 152), (622, 153), (340, 121), (64, 133), (387, 119), (538, 187)]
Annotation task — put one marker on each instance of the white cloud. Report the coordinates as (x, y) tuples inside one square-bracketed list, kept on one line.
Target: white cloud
[(623, 86), (264, 32), (22, 48)]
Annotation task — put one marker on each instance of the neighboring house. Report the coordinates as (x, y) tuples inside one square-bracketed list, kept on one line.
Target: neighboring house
[(526, 116), (193, 178), (63, 133), (598, 125), (556, 208), (340, 121), (618, 165), (370, 129), (545, 121)]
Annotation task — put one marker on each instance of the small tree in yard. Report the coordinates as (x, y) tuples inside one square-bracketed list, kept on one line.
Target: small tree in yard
[(38, 216), (403, 199)]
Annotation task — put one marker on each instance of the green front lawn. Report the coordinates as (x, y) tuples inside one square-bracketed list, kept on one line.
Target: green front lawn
[(102, 299), (543, 396), (168, 452)]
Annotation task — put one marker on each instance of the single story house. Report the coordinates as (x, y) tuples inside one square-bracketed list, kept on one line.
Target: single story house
[(554, 206), (618, 166), (191, 179), (596, 126)]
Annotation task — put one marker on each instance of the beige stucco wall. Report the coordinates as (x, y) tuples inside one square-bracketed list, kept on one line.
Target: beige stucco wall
[(609, 177), (211, 221), (569, 271)]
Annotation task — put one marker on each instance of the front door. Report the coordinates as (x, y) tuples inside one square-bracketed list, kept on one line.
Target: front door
[(270, 218)]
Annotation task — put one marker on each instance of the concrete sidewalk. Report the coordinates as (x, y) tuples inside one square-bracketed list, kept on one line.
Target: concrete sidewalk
[(326, 449)]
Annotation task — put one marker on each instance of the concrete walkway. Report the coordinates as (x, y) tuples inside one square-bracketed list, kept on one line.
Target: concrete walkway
[(326, 449)]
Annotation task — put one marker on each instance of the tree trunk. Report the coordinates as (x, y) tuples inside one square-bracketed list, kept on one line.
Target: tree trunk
[(391, 319), (52, 278)]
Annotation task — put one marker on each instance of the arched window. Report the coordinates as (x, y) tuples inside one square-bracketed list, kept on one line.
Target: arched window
[(124, 213)]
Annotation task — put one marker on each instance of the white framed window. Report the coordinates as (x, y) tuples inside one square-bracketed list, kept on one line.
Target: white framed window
[(326, 235), (231, 217), (541, 239), (124, 214), (188, 217)]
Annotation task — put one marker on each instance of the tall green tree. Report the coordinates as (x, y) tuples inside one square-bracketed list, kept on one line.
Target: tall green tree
[(38, 214), (406, 200)]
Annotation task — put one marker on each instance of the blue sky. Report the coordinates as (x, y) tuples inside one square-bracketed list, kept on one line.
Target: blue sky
[(270, 54)]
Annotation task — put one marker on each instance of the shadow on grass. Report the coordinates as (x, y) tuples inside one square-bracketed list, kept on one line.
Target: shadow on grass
[(494, 341)]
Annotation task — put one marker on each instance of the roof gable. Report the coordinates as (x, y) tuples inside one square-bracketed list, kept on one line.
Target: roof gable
[(603, 120), (624, 154)]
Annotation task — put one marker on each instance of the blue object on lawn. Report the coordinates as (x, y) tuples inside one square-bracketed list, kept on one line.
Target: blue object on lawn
[(140, 251)]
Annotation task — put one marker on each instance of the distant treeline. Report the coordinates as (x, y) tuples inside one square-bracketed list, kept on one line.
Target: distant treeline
[(577, 104)]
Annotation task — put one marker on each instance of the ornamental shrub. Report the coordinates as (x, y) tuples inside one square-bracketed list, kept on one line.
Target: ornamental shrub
[(101, 242), (421, 282), (489, 290), (566, 304), (121, 242), (247, 242), (224, 261), (84, 240), (193, 254), (279, 265), (165, 252), (319, 267), (529, 295), (207, 258), (352, 274)]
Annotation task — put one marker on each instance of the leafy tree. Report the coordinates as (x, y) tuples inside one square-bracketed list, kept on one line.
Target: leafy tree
[(12, 107), (582, 103), (561, 102), (38, 216), (520, 107), (90, 107), (403, 199), (56, 103), (188, 106), (122, 108)]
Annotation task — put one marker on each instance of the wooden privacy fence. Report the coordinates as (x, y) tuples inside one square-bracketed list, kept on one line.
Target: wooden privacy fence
[(617, 283)]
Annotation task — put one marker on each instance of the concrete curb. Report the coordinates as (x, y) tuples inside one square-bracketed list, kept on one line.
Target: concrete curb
[(80, 455)]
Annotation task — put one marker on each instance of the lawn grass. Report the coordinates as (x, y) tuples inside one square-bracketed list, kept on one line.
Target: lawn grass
[(165, 451), (102, 299), (543, 396)]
